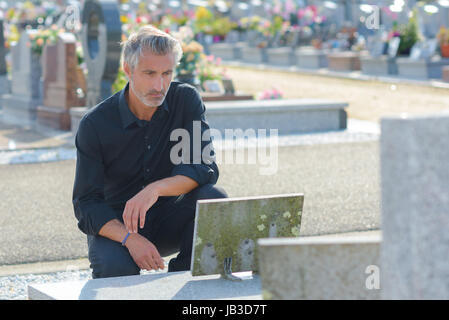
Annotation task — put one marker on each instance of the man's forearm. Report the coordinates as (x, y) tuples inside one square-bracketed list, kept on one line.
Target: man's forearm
[(173, 186), (114, 230)]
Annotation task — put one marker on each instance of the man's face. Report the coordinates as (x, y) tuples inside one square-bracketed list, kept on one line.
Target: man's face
[(151, 78)]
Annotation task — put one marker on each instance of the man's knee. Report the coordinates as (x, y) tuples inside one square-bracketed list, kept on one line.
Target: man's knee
[(109, 259), (209, 191)]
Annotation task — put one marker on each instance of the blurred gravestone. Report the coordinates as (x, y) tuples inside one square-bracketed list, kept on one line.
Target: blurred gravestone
[(100, 36), (4, 84), (63, 83), (20, 105)]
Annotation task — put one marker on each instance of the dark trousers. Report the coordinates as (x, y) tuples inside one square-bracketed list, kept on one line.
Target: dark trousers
[(168, 226)]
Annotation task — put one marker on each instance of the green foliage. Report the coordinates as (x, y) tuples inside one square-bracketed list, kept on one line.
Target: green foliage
[(409, 34)]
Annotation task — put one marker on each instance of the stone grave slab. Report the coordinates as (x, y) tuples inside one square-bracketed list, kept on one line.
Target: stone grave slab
[(322, 267), (415, 206), (282, 56), (344, 61), (19, 106), (227, 51), (254, 54), (157, 286), (4, 82), (62, 81), (310, 58), (379, 65), (445, 74), (286, 115), (430, 68), (226, 230)]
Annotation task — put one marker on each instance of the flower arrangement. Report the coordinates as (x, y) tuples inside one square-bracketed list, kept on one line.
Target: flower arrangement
[(190, 59), (250, 23), (268, 94), (44, 37), (203, 20), (210, 68), (443, 36), (408, 33), (192, 53), (443, 40)]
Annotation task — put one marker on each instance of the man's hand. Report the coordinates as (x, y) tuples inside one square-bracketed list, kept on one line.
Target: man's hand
[(144, 253), (137, 207)]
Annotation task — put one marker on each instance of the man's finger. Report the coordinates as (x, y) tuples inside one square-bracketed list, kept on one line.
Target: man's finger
[(125, 216), (142, 218), (134, 220)]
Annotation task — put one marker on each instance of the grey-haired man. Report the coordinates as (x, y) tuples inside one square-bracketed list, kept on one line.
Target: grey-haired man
[(133, 202)]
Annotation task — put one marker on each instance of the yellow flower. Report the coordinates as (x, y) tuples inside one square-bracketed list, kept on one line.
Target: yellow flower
[(123, 19), (263, 217), (202, 13), (261, 227)]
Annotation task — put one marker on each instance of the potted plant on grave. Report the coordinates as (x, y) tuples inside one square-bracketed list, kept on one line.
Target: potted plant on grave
[(409, 34), (187, 69), (443, 40)]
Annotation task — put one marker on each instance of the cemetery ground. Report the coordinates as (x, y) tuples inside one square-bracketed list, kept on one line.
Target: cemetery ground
[(340, 180)]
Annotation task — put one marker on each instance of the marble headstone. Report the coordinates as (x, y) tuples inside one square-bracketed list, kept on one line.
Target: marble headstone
[(26, 90), (415, 206), (63, 83), (4, 83), (230, 228)]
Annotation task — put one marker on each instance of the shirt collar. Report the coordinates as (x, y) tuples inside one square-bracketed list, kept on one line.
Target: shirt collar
[(127, 116)]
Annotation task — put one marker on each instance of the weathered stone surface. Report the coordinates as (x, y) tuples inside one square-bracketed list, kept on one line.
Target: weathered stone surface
[(230, 228), (414, 157), (320, 267)]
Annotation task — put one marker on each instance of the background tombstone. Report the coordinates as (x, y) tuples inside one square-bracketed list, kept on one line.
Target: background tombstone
[(20, 105), (415, 207), (62, 83), (4, 83), (100, 36)]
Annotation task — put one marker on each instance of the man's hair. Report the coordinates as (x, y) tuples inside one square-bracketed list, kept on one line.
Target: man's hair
[(151, 39)]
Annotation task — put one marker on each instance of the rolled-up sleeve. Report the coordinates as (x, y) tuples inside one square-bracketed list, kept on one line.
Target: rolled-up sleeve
[(201, 165), (89, 204)]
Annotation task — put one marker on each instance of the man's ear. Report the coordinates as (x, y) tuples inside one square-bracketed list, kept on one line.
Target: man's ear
[(127, 70)]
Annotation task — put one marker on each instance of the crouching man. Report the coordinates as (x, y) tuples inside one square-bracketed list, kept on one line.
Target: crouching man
[(134, 203)]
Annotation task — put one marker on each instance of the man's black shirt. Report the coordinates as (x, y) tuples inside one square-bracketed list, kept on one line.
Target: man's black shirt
[(118, 154)]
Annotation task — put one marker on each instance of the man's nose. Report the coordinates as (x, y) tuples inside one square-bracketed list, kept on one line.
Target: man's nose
[(158, 84)]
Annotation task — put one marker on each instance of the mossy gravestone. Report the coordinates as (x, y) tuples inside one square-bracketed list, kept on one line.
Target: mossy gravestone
[(229, 228)]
